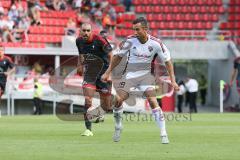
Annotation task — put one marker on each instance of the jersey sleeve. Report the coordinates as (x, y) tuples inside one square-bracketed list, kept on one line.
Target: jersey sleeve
[(163, 52), (107, 48), (10, 63), (124, 48)]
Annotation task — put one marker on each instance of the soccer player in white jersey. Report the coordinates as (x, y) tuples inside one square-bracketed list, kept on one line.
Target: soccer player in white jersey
[(140, 49)]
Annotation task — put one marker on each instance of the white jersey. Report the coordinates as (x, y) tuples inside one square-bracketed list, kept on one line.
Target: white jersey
[(140, 56)]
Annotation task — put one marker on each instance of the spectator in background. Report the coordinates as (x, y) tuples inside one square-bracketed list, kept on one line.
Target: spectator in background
[(13, 14), (112, 13), (107, 24), (1, 8), (86, 6), (127, 4), (104, 3), (71, 27), (109, 20), (22, 10), (77, 5), (180, 96), (60, 5), (37, 69), (34, 9), (37, 97), (97, 14), (6, 27), (50, 4), (203, 89), (21, 32), (192, 87)]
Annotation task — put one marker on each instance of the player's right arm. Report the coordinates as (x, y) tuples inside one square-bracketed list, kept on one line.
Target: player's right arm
[(81, 58), (116, 59)]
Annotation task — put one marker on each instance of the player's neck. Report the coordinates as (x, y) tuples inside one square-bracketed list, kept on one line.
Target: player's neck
[(143, 39), (90, 39)]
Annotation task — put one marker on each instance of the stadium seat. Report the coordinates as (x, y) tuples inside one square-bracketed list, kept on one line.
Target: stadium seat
[(153, 25), (151, 17)]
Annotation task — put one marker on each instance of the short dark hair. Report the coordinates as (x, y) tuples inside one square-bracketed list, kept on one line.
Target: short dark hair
[(141, 20)]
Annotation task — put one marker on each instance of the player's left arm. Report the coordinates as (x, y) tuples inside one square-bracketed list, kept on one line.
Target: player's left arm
[(164, 54), (170, 70)]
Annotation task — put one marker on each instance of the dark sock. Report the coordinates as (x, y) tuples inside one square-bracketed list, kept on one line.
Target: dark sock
[(88, 124)]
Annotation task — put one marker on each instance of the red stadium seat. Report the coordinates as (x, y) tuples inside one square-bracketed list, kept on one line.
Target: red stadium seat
[(148, 9), (205, 17), (155, 2), (214, 17), (156, 9), (136, 2), (223, 25), (159, 17), (163, 2), (145, 2), (153, 25), (151, 17), (196, 17)]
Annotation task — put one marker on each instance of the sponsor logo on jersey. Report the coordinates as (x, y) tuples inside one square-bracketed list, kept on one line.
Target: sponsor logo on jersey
[(150, 48), (122, 84)]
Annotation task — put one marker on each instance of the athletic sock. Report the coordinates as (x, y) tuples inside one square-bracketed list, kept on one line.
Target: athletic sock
[(160, 120), (117, 113), (88, 124)]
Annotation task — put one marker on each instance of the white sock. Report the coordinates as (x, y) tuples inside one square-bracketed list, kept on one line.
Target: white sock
[(117, 113), (160, 120)]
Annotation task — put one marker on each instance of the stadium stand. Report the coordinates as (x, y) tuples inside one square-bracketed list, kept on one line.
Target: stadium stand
[(169, 19), (177, 18), (232, 22)]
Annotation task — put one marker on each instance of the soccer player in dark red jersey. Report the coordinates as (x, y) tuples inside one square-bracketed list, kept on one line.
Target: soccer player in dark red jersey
[(6, 68), (95, 53)]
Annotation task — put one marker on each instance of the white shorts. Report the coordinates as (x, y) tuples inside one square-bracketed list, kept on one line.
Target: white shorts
[(139, 84)]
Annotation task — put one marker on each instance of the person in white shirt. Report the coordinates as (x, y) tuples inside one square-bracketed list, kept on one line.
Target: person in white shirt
[(140, 50), (192, 87)]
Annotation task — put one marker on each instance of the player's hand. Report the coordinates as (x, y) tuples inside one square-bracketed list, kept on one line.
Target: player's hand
[(6, 74), (80, 70), (175, 86), (105, 77)]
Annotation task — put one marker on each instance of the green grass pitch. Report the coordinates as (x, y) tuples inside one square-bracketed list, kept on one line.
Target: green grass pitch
[(205, 137)]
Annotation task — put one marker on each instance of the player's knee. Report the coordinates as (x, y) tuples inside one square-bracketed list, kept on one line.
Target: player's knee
[(152, 102), (119, 102)]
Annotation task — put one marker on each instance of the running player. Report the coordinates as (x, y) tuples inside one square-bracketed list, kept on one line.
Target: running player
[(94, 54), (140, 50), (6, 69), (236, 75)]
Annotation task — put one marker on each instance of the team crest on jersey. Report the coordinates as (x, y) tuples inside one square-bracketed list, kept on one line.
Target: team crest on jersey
[(134, 47), (150, 48)]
